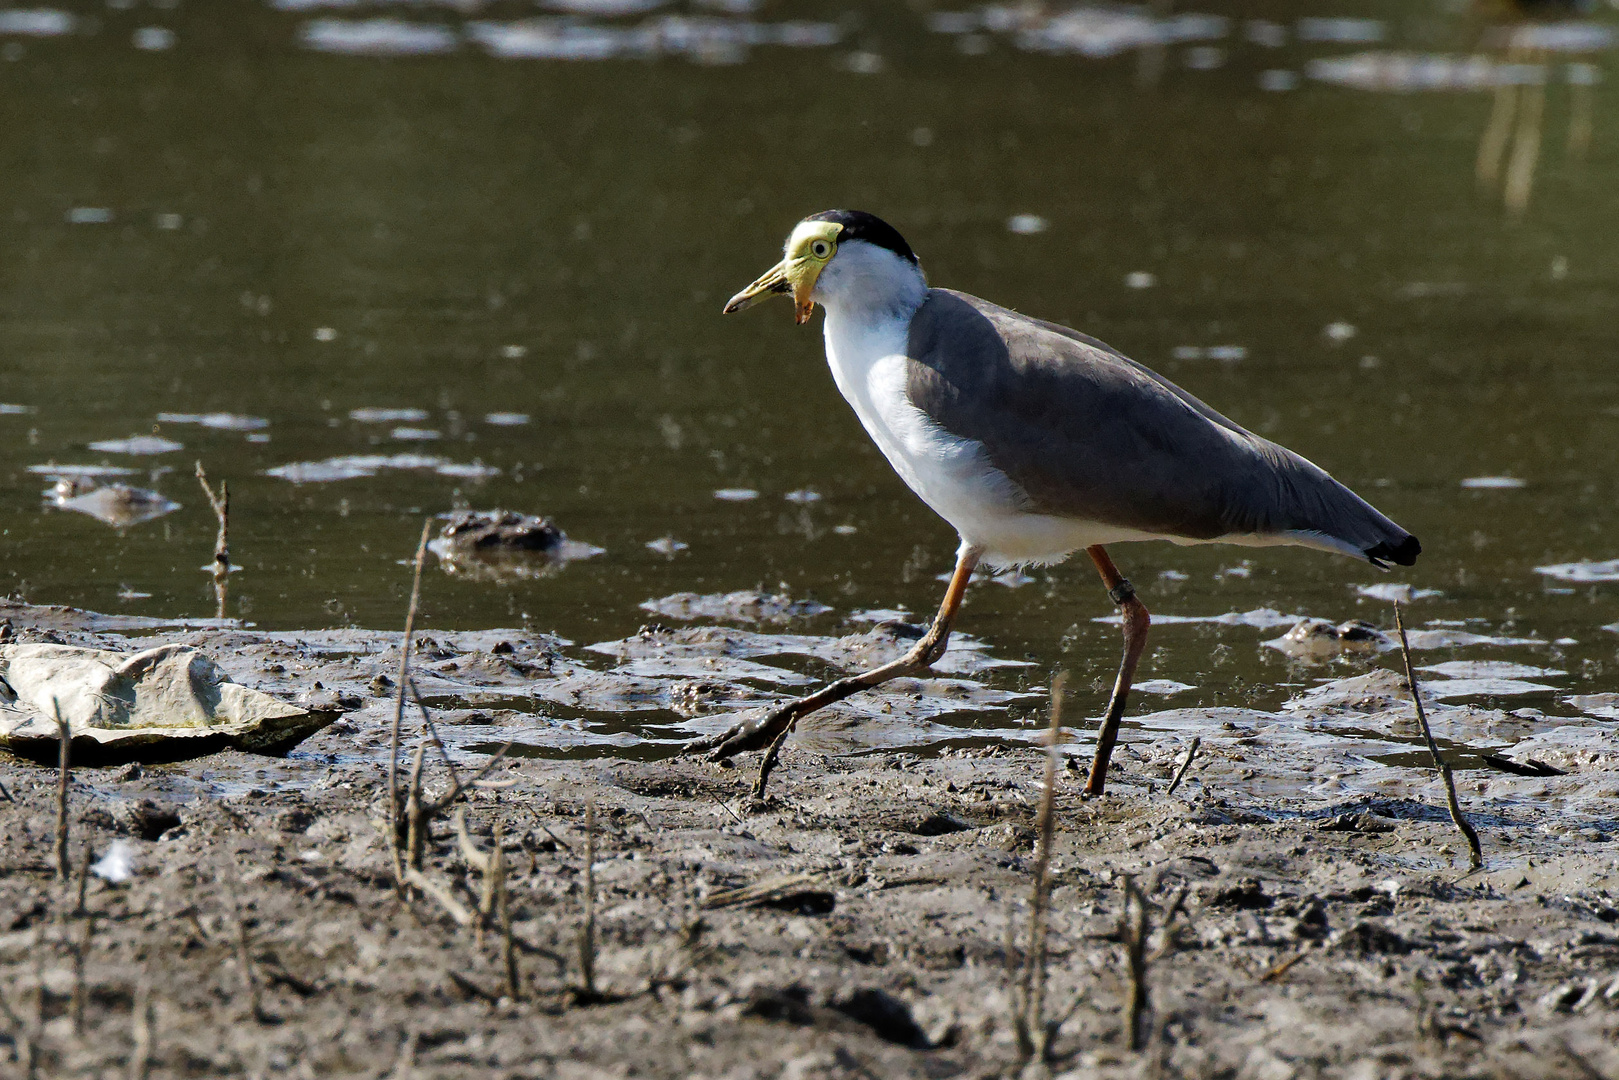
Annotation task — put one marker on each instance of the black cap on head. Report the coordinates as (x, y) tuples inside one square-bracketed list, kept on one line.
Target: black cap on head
[(859, 225)]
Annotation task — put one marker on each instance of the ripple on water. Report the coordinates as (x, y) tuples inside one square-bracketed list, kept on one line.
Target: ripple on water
[(413, 434), (1163, 687), (360, 466), (36, 22), (218, 421), (1580, 572), (704, 39), (1396, 592), (138, 445), (376, 415), (87, 472), (1262, 618), (377, 37)]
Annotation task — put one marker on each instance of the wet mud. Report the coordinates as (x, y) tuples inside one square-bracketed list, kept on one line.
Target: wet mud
[(862, 922)]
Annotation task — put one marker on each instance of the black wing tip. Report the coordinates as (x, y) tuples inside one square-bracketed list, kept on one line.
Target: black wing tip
[(1403, 553)]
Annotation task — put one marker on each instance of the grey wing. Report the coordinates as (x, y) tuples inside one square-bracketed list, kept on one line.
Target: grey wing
[(1087, 432)]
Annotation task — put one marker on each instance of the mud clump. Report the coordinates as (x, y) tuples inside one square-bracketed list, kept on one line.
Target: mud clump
[(502, 545), (485, 531)]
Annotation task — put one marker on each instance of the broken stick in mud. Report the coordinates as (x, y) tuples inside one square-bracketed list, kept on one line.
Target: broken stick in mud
[(1476, 858), (394, 809), (221, 506)]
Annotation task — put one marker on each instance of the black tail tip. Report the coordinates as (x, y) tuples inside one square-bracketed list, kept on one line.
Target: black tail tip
[(1403, 554)]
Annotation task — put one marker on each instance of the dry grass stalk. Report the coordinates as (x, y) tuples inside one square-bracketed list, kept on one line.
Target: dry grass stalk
[(1476, 857), (1035, 1033), (765, 891), (37, 1037), (405, 1065), (64, 776), (143, 1031), (221, 506), (490, 869), (508, 947), (419, 812), (1186, 763), (250, 973), (1172, 921), (394, 808), (24, 1036), (587, 932), (84, 880), (81, 948), (1133, 931), (439, 893), (1284, 967)]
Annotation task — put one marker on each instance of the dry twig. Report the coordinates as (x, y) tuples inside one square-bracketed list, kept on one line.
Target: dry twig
[(1476, 857), (508, 947), (435, 891), (1284, 967), (64, 776), (394, 809), (80, 949), (1133, 931), (419, 814), (221, 505), (244, 960), (84, 880), (24, 1039), (786, 889), (1035, 1033), (587, 932), (143, 1030), (1186, 763)]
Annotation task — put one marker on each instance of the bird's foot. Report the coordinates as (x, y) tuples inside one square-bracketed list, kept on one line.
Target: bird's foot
[(754, 733)]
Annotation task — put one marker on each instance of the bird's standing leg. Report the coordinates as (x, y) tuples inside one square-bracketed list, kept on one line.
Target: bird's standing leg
[(1136, 621), (772, 729)]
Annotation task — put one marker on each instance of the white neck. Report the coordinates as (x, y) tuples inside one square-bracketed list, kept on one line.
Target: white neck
[(866, 283)]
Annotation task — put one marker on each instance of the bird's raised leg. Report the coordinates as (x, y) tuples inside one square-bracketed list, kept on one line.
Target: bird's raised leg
[(1136, 621), (771, 729)]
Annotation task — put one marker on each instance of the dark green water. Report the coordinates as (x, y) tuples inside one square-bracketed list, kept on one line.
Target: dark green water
[(556, 238)]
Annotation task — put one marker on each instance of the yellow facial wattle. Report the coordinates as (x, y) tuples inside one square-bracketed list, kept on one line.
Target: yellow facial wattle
[(811, 246)]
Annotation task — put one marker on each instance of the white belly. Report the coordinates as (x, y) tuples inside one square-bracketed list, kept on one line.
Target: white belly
[(952, 475)]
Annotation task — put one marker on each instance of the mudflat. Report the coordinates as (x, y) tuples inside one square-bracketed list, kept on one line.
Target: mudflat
[(1310, 911)]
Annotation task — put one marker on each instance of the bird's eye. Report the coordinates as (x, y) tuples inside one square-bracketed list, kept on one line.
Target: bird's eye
[(821, 249)]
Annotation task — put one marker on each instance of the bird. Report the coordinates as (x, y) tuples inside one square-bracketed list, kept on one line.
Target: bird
[(1034, 441)]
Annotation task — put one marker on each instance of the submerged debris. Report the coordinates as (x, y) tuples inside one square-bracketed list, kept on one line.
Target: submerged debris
[(503, 544), (1316, 639), (119, 505)]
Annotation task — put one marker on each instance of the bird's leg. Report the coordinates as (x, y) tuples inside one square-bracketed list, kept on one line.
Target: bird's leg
[(772, 729), (1136, 621)]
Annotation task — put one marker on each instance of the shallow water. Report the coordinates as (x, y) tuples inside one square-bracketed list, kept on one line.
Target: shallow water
[(373, 263)]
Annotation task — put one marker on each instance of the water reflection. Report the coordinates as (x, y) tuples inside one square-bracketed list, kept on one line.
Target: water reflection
[(282, 223), (119, 505)]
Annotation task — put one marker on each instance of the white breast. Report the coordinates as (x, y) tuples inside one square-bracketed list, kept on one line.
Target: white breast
[(952, 475)]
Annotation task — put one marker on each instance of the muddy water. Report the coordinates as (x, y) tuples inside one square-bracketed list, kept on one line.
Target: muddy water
[(373, 270)]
